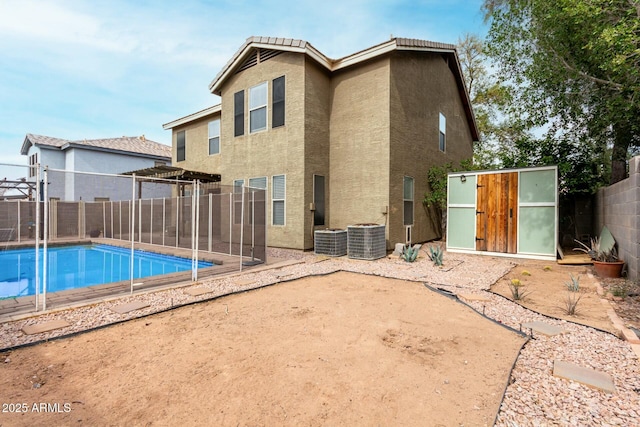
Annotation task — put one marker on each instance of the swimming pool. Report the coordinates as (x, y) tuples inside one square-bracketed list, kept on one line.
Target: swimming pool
[(72, 267)]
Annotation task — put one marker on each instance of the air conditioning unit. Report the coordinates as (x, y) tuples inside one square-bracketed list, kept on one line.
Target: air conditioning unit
[(330, 242), (366, 241)]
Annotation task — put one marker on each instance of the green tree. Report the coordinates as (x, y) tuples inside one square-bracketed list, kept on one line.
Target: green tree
[(573, 66), (489, 99)]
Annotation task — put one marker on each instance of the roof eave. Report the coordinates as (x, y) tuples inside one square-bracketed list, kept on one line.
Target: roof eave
[(192, 117), (114, 151)]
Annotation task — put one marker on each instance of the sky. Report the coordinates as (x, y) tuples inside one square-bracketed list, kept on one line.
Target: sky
[(108, 68)]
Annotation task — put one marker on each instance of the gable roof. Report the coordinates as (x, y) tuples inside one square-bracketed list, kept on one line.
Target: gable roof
[(277, 44), (137, 145)]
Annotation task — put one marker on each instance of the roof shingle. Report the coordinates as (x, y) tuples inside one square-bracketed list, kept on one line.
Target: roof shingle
[(128, 144)]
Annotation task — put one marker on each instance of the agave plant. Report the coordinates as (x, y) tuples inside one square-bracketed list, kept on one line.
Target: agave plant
[(435, 255), (410, 253)]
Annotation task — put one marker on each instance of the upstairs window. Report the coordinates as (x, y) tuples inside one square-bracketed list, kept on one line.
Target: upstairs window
[(238, 113), (33, 161), (258, 108), (214, 137), (442, 140), (277, 107), (181, 146)]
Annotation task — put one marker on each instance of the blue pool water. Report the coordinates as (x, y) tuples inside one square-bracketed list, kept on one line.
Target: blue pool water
[(72, 267)]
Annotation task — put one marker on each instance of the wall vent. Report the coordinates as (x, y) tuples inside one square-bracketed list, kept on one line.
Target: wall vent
[(366, 241), (330, 242)]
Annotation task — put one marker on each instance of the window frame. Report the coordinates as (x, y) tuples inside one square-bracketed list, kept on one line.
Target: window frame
[(278, 108), (405, 201), (181, 149), (237, 200), (258, 107), (319, 214), (215, 136), (442, 133), (238, 113), (279, 200), (33, 161)]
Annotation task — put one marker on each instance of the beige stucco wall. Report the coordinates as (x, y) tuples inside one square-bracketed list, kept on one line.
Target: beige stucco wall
[(316, 157), (359, 152), (362, 128), (422, 86), (272, 151)]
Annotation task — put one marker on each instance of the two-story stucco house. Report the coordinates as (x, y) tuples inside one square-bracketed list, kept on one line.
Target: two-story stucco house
[(106, 156), (335, 142)]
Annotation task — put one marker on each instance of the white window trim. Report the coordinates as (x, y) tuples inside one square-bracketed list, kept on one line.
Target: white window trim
[(265, 106), (237, 198), (283, 200), (214, 136), (266, 182)]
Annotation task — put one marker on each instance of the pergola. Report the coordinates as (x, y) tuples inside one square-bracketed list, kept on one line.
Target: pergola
[(24, 187), (173, 172)]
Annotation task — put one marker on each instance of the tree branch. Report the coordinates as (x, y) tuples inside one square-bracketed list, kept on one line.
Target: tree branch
[(611, 83)]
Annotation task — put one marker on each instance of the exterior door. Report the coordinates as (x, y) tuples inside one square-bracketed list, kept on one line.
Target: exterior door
[(496, 212)]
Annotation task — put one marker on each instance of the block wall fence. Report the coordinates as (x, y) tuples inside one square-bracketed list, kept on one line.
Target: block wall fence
[(618, 207)]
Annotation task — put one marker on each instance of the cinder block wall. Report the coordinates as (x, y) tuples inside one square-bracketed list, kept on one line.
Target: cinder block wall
[(618, 207)]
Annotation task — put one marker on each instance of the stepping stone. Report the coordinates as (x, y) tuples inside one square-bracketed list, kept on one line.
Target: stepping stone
[(126, 308), (473, 297), (245, 282), (586, 376), (198, 291), (543, 328), (45, 327)]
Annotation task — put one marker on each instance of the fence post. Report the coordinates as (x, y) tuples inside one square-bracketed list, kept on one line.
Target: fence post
[(242, 227), (133, 226), (37, 266), (210, 224), (45, 250)]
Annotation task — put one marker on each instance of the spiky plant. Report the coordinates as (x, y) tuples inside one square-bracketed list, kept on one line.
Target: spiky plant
[(435, 255)]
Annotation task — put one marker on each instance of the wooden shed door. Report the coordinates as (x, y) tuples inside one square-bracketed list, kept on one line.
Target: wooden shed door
[(496, 213)]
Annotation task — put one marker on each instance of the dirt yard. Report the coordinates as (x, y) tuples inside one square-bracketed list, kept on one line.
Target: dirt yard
[(342, 349), (546, 292)]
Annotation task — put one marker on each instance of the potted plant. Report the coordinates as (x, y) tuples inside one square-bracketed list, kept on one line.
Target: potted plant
[(605, 261)]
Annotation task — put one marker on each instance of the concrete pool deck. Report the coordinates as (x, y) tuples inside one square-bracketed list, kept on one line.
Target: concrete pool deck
[(14, 308)]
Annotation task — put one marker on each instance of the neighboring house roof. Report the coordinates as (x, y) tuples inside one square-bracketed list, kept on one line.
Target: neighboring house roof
[(137, 145), (241, 56)]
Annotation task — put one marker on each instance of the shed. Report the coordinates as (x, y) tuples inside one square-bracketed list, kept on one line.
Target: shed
[(511, 212)]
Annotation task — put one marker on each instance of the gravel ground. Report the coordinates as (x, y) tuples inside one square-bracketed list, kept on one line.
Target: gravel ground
[(534, 396)]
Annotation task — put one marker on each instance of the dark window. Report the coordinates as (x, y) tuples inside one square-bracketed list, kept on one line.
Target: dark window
[(180, 155), (238, 113), (318, 199), (408, 200), (278, 103)]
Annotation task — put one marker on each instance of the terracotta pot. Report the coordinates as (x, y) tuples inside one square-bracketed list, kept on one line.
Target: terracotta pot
[(608, 269)]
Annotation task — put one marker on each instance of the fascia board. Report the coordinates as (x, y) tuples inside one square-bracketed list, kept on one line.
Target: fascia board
[(192, 117)]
